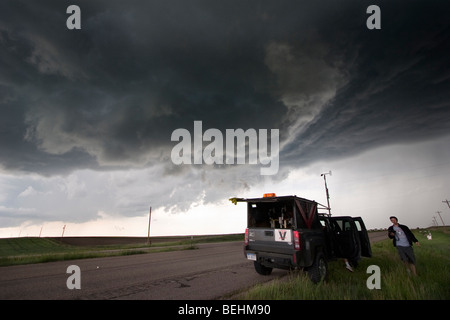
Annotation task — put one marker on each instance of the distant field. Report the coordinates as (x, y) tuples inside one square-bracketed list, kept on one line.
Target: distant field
[(156, 241), (26, 250)]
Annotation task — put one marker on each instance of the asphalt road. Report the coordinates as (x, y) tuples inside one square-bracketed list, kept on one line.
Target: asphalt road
[(210, 272)]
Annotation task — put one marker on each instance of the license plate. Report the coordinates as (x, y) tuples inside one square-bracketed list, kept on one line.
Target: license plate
[(251, 256)]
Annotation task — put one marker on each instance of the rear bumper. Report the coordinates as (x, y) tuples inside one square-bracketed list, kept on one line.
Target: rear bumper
[(277, 260)]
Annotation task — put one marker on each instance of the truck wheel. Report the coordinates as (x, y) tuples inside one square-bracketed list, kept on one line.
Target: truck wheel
[(319, 270), (262, 270)]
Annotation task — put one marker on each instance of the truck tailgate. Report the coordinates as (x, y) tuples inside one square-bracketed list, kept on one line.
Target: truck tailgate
[(270, 240)]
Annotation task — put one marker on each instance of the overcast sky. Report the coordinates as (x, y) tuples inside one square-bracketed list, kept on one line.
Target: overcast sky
[(86, 116)]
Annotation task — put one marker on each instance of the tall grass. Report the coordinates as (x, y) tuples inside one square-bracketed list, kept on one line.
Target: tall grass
[(432, 282)]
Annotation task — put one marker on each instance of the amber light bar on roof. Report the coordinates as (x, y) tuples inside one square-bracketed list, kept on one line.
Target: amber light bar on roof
[(269, 195)]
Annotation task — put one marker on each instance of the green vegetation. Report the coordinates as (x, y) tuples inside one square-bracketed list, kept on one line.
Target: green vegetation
[(29, 246), (432, 282), (14, 251)]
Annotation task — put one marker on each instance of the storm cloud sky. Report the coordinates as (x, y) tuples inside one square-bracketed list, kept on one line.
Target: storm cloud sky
[(87, 115)]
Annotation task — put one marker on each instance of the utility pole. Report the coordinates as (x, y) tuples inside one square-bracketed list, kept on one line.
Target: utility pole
[(439, 213), (434, 221), (149, 221), (446, 201), (326, 190)]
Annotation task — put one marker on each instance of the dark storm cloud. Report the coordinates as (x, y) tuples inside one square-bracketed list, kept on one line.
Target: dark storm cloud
[(118, 88), (397, 85), (110, 95)]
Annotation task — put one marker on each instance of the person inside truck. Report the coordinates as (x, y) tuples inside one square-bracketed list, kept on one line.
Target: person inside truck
[(287, 217), (347, 265), (337, 228)]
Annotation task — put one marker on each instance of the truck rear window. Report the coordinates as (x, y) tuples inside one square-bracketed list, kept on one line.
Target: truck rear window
[(278, 214)]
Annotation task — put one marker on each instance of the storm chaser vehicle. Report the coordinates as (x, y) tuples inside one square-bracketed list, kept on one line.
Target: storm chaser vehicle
[(289, 233)]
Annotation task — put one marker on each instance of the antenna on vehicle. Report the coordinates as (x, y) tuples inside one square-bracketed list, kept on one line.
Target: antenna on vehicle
[(326, 190)]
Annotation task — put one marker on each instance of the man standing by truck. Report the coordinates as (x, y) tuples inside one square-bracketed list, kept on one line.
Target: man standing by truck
[(403, 239)]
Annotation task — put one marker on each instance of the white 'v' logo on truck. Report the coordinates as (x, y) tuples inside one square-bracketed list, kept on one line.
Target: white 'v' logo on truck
[(283, 235)]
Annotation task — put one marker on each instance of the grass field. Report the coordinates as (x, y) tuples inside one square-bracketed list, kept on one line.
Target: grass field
[(432, 282), (14, 251)]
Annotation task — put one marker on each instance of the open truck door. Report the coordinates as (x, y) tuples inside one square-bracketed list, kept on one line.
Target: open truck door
[(351, 238), (366, 249), (348, 244)]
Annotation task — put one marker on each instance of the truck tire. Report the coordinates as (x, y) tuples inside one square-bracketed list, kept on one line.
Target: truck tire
[(262, 270), (319, 270)]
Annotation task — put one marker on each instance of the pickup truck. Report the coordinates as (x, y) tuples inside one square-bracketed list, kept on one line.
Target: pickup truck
[(288, 232)]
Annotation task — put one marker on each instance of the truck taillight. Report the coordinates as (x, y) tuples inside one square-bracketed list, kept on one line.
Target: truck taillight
[(297, 240), (246, 237)]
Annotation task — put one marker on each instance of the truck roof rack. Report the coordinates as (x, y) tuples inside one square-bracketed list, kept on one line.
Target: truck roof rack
[(275, 198)]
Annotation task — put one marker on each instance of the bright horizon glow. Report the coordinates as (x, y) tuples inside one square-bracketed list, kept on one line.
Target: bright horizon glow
[(162, 224)]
